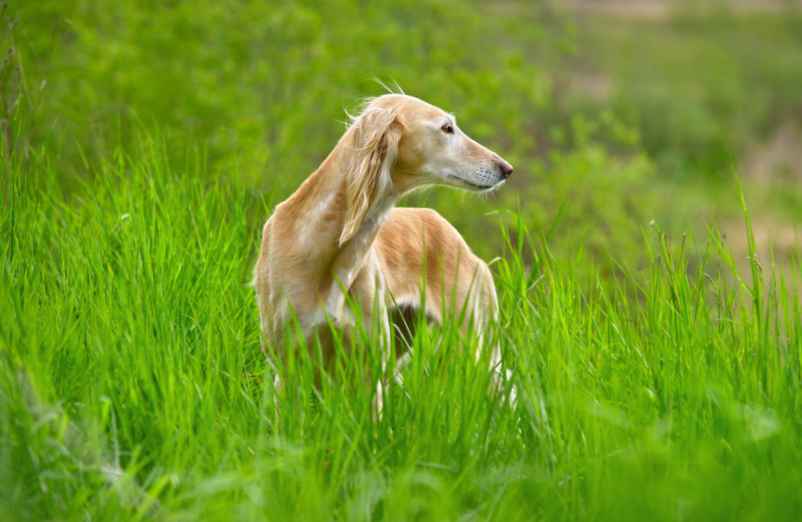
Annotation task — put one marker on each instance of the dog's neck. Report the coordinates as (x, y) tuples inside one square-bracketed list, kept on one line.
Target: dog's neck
[(324, 197)]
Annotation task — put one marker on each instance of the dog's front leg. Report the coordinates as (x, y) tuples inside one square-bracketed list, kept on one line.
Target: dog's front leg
[(369, 294)]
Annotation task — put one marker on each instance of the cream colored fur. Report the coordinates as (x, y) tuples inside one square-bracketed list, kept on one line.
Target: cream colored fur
[(339, 235)]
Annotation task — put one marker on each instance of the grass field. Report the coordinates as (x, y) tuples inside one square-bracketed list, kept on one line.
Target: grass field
[(658, 364)]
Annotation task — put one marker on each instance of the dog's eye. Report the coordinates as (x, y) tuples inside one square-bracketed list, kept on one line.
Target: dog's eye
[(447, 128)]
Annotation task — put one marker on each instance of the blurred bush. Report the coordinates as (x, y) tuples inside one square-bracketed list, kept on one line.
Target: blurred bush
[(261, 89), (261, 85), (700, 85)]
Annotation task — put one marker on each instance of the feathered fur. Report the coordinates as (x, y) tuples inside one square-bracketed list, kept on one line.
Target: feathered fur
[(338, 235)]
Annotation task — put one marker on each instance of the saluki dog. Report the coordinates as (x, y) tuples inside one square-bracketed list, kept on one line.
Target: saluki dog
[(339, 239)]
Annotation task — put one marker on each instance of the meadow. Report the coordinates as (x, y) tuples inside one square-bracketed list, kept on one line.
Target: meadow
[(650, 306)]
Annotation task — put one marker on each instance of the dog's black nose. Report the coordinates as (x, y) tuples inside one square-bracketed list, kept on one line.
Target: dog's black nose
[(505, 168)]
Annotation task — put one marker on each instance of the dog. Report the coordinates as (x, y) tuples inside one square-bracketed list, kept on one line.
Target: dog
[(338, 239)]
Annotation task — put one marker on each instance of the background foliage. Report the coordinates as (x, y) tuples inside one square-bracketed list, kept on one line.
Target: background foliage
[(144, 143)]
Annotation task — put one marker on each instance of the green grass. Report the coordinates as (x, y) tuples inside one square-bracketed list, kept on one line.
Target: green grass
[(143, 144), (129, 338)]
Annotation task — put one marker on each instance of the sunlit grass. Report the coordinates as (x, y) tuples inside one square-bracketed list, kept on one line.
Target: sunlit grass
[(655, 380), (132, 384)]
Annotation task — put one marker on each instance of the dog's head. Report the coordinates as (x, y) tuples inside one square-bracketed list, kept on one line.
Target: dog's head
[(400, 142), (432, 149)]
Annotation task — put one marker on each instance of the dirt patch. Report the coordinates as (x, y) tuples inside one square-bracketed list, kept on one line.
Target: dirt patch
[(661, 9), (777, 159), (593, 86), (778, 246), (641, 9)]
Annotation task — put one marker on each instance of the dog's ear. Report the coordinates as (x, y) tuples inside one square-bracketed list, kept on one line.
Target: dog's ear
[(374, 138)]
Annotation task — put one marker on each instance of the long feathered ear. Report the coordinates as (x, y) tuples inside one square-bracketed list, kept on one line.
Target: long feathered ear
[(375, 134)]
